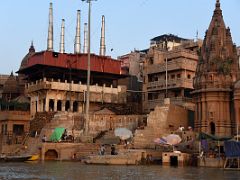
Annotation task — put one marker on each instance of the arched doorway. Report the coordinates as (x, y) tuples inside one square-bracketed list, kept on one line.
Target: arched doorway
[(212, 128), (67, 106), (51, 105), (51, 154), (75, 106), (59, 105)]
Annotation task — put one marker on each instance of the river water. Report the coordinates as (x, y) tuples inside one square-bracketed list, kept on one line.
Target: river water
[(78, 171)]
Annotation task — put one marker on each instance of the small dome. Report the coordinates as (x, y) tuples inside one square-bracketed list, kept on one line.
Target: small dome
[(11, 85), (24, 62)]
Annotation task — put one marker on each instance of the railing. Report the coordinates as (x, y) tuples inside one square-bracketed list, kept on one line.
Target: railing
[(17, 115), (10, 138), (180, 63), (66, 86), (183, 82)]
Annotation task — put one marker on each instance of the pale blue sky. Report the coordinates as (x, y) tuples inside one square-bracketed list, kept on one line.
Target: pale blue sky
[(129, 24)]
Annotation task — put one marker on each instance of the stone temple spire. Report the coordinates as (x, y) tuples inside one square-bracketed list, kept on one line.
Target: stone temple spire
[(216, 74), (218, 53), (218, 10), (218, 4)]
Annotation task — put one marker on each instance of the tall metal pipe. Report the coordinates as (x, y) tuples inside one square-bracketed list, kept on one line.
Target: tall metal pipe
[(77, 44), (50, 29), (102, 40), (62, 38), (85, 45)]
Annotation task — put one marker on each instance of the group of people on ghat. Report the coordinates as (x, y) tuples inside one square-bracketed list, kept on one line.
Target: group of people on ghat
[(102, 150)]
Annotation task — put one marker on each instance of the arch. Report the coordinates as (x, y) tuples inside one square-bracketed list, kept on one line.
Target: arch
[(59, 105), (75, 106), (51, 105), (212, 128), (67, 105), (51, 154)]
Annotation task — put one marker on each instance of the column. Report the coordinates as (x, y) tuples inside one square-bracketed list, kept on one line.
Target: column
[(32, 107), (63, 105), (55, 105), (47, 105), (80, 107), (40, 106), (71, 106)]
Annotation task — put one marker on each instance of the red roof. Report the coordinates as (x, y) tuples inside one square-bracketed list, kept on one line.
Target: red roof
[(75, 61)]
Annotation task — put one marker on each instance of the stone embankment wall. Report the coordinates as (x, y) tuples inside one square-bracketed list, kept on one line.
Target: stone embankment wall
[(40, 120), (162, 121), (106, 122)]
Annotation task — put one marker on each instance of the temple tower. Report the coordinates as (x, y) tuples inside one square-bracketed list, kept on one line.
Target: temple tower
[(217, 71)]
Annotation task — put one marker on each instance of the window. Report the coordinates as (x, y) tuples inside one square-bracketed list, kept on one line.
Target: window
[(178, 76), (189, 76), (173, 76), (150, 96), (18, 129), (151, 60)]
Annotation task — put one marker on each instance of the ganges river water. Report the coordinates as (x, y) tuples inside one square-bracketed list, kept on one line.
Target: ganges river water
[(78, 171)]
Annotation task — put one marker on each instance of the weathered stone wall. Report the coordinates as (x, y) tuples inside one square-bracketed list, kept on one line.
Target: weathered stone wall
[(40, 120), (10, 118), (162, 121), (100, 123)]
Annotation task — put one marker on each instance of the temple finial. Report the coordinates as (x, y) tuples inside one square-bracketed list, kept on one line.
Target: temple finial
[(217, 3)]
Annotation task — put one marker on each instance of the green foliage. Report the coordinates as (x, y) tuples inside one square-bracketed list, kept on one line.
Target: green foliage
[(223, 66)]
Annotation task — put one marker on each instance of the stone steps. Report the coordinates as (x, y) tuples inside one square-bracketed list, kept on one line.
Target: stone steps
[(144, 138)]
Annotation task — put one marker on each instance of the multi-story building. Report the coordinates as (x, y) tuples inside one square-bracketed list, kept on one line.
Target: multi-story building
[(132, 64), (57, 81), (169, 68)]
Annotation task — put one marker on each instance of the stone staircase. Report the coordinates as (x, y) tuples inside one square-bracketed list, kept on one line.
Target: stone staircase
[(60, 119), (107, 138), (46, 125), (156, 127), (39, 121)]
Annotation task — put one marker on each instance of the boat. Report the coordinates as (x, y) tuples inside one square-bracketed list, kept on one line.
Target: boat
[(132, 157), (34, 158), (14, 158)]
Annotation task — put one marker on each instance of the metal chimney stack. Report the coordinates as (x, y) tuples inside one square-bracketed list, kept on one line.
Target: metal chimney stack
[(50, 30), (102, 40), (62, 40), (85, 45), (77, 44)]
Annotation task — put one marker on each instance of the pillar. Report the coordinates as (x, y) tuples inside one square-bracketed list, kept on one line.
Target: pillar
[(63, 105), (55, 105), (47, 105), (71, 106), (32, 107), (40, 102)]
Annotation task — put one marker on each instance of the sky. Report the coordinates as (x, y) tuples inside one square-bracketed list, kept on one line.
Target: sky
[(130, 24)]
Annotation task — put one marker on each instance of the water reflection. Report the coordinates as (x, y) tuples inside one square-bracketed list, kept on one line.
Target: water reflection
[(78, 171)]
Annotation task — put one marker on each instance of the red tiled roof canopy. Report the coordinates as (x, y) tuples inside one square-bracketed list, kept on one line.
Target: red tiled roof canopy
[(75, 61)]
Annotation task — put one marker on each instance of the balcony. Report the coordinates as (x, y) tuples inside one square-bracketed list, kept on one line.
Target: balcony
[(180, 63), (176, 83), (97, 93)]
